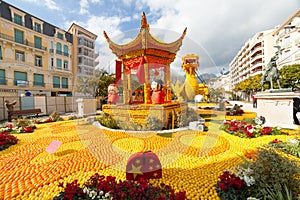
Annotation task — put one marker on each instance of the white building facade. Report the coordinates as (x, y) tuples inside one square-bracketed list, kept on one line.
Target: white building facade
[(252, 57), (287, 35)]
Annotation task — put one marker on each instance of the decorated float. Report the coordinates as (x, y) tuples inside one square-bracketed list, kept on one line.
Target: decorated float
[(145, 60)]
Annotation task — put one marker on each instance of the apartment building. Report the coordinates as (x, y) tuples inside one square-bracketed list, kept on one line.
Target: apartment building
[(252, 57), (85, 51), (36, 57), (287, 35)]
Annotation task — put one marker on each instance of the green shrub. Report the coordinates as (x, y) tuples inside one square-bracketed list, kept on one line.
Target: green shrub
[(107, 120), (185, 118), (153, 123), (131, 125), (56, 116), (291, 146), (273, 172)]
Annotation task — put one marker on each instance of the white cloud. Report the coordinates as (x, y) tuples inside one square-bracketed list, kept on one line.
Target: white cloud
[(96, 1), (84, 6), (221, 27), (52, 5)]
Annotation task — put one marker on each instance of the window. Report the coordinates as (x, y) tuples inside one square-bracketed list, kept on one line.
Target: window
[(79, 60), (52, 62), (60, 36), (1, 53), (37, 27), (58, 63), (51, 47), (56, 82), (58, 48), (19, 36), (64, 82), (37, 42), (20, 56), (20, 78), (2, 77), (18, 19), (38, 80), (65, 64), (66, 50), (38, 61)]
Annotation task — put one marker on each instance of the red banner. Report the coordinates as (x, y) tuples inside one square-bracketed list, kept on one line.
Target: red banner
[(133, 63), (141, 72), (118, 71)]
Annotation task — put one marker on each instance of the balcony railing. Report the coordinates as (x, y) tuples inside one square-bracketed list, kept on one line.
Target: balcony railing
[(59, 52), (64, 86), (21, 83), (2, 81), (36, 83), (56, 85), (27, 43)]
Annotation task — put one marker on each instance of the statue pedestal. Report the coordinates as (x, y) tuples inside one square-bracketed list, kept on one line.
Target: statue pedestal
[(277, 108)]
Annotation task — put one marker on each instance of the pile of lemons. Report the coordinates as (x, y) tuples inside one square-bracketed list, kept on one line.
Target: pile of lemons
[(191, 161)]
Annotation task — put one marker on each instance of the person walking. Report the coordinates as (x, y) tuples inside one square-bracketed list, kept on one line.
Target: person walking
[(254, 101)]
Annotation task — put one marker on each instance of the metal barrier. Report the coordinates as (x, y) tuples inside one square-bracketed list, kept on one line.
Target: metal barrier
[(47, 104)]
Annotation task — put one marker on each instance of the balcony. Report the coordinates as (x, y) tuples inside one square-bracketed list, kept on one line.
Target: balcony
[(256, 65), (21, 83), (26, 43), (256, 49), (257, 72), (257, 58)]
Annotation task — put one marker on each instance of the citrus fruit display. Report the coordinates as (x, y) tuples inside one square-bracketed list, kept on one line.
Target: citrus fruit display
[(191, 160)]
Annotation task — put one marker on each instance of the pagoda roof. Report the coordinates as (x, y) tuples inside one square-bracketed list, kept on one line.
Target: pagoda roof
[(143, 41)]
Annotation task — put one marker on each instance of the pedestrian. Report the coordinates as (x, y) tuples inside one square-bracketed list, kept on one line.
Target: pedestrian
[(296, 109), (254, 101)]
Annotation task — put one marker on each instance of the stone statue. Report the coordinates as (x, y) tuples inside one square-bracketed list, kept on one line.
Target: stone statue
[(271, 72), (10, 106)]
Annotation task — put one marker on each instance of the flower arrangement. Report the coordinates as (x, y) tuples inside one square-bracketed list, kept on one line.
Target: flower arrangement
[(72, 117), (291, 146), (245, 130), (269, 176), (101, 187), (6, 140), (235, 111), (21, 125), (231, 186)]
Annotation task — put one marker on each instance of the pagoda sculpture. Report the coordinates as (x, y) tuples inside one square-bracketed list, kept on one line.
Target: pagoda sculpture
[(150, 58), (145, 60)]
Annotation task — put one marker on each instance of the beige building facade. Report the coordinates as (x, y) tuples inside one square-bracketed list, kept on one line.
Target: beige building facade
[(40, 59)]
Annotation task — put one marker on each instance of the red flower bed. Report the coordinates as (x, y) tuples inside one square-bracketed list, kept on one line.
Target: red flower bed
[(242, 129), (6, 140), (101, 187), (230, 186)]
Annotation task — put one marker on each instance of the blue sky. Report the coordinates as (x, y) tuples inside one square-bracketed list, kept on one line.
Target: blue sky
[(217, 29)]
